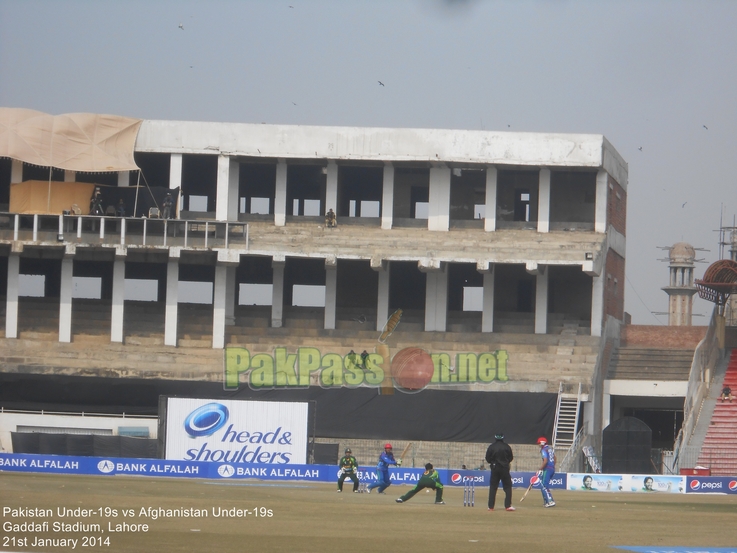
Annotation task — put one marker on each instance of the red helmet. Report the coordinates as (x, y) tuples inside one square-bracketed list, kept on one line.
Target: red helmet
[(387, 446), (542, 441)]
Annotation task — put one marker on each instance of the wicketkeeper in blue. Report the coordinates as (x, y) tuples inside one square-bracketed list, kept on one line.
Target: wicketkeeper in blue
[(547, 470), (382, 470)]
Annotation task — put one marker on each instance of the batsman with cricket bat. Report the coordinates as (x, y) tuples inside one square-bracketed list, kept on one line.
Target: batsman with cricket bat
[(386, 459)]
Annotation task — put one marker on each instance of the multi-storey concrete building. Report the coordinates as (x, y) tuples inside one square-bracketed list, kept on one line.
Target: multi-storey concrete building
[(505, 253)]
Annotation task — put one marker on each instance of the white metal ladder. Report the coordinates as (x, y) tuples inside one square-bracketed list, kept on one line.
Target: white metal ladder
[(566, 420)]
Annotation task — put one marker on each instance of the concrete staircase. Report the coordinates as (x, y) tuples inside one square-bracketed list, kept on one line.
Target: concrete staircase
[(636, 363), (719, 450)]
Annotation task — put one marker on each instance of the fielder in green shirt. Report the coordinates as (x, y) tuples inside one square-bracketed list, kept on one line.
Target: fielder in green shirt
[(348, 468), (429, 479)]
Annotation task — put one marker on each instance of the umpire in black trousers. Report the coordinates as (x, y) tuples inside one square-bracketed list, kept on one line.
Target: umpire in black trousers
[(499, 456)]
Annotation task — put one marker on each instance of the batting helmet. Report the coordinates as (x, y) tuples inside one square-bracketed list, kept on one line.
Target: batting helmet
[(387, 446), (348, 450), (542, 441)]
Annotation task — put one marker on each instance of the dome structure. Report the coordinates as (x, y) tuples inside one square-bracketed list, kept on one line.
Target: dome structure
[(682, 252)]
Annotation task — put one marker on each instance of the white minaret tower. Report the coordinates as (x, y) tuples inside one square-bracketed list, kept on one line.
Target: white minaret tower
[(731, 311), (681, 288)]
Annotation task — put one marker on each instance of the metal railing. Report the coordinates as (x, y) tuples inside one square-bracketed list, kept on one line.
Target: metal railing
[(573, 452), (702, 370), (132, 231)]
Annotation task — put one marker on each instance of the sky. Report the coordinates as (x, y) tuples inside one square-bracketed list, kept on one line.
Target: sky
[(657, 78)]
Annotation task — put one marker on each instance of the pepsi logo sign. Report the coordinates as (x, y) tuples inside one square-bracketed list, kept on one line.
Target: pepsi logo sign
[(695, 485), (733, 486), (456, 478)]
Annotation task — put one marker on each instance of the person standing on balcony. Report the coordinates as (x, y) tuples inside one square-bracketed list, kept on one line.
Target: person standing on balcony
[(167, 207), (96, 202)]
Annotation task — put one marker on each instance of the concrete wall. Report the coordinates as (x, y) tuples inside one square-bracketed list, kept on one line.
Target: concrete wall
[(380, 144), (74, 424), (617, 206), (664, 337), (614, 286)]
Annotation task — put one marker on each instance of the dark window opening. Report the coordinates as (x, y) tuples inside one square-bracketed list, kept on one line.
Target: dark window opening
[(257, 188), (411, 196), (35, 172), (306, 190), (467, 195), (359, 191), (572, 200), (199, 182), (517, 199)]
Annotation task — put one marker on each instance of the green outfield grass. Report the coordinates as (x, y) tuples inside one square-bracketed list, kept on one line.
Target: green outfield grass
[(314, 518)]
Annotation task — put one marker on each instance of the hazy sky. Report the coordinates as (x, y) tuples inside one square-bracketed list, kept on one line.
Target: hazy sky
[(655, 75)]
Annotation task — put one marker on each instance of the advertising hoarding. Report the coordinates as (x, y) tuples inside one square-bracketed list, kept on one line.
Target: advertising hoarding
[(236, 432)]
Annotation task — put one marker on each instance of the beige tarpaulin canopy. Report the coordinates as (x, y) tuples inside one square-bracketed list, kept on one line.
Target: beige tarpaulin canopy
[(35, 196), (84, 142)]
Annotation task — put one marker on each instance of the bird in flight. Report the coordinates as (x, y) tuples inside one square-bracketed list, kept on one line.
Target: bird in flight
[(640, 148), (181, 26), (684, 204), (294, 103), (382, 84), (707, 128)]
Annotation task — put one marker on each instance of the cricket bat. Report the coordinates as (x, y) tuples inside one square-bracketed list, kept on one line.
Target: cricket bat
[(526, 491), (406, 449)]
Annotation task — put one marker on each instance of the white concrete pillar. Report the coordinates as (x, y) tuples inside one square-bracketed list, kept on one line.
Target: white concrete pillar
[(124, 178), (490, 219), (16, 171), (230, 295), (218, 307), (280, 194), (175, 178), (436, 300), (543, 202), (70, 176), (588, 418), (387, 197), (600, 209), (487, 317), (172, 302), (11, 300), (382, 301), (116, 317), (65, 299), (331, 187), (541, 301), (439, 209), (277, 293), (597, 303), (233, 186), (223, 198), (606, 410), (331, 294)]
